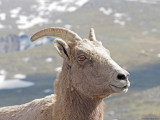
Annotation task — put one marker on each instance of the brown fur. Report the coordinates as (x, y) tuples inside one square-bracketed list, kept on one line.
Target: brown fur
[(72, 105), (80, 87), (39, 109)]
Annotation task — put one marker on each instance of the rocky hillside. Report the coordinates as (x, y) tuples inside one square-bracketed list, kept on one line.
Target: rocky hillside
[(13, 43), (123, 26)]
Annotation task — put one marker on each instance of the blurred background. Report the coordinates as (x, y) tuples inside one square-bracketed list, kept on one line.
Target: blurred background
[(130, 29)]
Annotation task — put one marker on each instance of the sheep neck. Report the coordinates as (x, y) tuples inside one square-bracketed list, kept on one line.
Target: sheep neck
[(72, 105)]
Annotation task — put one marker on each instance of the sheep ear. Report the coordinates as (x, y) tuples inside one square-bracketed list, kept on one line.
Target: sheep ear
[(62, 48)]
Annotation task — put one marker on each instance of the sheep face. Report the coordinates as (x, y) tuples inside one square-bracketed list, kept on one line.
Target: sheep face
[(94, 73)]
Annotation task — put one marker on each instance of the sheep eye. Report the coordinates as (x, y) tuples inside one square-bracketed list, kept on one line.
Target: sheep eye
[(81, 58)]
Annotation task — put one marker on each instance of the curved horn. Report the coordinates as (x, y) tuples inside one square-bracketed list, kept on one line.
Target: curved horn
[(65, 34), (92, 36)]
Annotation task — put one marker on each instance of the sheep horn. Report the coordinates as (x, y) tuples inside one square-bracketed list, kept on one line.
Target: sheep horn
[(92, 36), (65, 34)]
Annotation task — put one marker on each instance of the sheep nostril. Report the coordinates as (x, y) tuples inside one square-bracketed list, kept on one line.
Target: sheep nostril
[(121, 77)]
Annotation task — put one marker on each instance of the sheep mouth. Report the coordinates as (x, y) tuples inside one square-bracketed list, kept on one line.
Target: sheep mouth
[(117, 88)]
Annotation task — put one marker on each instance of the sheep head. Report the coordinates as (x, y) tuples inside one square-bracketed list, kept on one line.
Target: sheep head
[(92, 70)]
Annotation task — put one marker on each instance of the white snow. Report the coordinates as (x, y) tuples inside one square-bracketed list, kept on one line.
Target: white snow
[(47, 91), (158, 55), (14, 12), (15, 83), (118, 18), (106, 12), (21, 33), (23, 45), (3, 72), (119, 15), (25, 22), (58, 21), (49, 59), (58, 69), (56, 6), (19, 76), (1, 26), (145, 1), (2, 78), (71, 9), (80, 2), (68, 26), (60, 6), (122, 23), (2, 16), (41, 41)]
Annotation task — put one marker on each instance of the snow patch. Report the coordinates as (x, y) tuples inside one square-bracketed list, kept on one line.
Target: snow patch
[(42, 41), (119, 15), (2, 16), (118, 18), (49, 59), (60, 6), (25, 22), (68, 26), (19, 76), (58, 21), (122, 23), (106, 12), (58, 69), (1, 26), (47, 91), (15, 83), (2, 78), (158, 55), (79, 2), (21, 33), (14, 12), (3, 72), (72, 9)]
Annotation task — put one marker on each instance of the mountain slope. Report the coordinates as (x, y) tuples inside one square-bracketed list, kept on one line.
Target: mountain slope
[(130, 29), (124, 26), (139, 106)]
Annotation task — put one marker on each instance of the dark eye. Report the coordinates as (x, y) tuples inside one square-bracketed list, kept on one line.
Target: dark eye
[(81, 58)]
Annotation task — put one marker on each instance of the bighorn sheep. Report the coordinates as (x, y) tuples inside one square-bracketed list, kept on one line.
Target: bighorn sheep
[(88, 76)]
